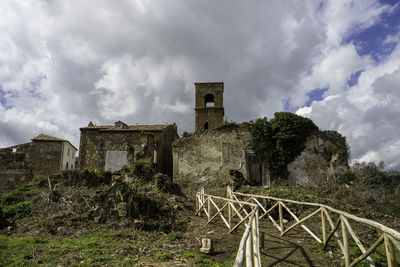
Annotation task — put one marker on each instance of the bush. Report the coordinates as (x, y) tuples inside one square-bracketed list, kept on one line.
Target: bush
[(18, 210), (37, 179), (280, 140)]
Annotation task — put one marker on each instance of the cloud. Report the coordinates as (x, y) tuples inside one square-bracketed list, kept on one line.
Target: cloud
[(65, 63)]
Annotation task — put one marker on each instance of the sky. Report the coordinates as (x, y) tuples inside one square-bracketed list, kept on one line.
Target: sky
[(66, 63)]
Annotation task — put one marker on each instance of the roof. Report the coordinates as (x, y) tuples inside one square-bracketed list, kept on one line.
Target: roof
[(145, 127), (45, 137)]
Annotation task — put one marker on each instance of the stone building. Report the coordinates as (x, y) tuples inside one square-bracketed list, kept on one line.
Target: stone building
[(110, 147), (209, 106), (209, 156), (44, 155)]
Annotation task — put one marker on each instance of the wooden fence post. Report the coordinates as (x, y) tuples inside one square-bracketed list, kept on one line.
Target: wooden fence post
[(345, 242), (281, 217), (323, 225), (209, 208), (390, 256)]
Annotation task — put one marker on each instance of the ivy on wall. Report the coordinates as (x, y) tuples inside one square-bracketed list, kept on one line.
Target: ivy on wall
[(280, 140)]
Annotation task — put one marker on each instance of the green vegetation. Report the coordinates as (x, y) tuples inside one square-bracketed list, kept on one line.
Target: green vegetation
[(280, 140), (165, 256), (228, 125), (175, 236), (336, 145), (92, 249), (15, 195), (378, 256), (18, 210), (37, 179)]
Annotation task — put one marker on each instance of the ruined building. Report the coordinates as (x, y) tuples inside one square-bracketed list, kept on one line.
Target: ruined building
[(44, 155), (209, 106), (110, 147), (209, 156)]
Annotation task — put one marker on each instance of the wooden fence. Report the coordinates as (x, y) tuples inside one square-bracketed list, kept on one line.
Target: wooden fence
[(234, 213), (388, 236)]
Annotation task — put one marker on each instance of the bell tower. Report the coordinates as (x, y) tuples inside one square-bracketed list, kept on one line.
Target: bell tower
[(209, 106)]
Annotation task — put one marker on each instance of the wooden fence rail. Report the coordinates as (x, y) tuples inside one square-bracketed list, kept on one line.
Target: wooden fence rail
[(234, 213), (388, 236)]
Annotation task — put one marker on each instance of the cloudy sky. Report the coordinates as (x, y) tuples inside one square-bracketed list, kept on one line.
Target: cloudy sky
[(65, 63)]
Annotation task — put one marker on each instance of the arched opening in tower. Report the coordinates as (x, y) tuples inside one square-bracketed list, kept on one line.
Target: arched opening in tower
[(209, 100), (206, 126)]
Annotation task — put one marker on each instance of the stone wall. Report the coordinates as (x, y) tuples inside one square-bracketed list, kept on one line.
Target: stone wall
[(212, 115), (46, 160), (209, 156), (14, 169), (156, 145)]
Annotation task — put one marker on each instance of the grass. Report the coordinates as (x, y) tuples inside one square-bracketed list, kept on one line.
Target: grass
[(165, 256), (92, 249), (175, 236), (203, 260), (378, 256)]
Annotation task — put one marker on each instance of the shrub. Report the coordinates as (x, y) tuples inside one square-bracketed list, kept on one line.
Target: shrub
[(175, 236), (18, 210), (280, 140), (37, 179)]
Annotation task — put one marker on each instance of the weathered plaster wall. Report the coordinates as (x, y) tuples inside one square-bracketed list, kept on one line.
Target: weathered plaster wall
[(208, 156), (68, 156)]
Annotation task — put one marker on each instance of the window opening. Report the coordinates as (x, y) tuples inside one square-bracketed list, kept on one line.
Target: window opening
[(41, 151), (66, 166), (209, 100), (14, 150), (206, 126)]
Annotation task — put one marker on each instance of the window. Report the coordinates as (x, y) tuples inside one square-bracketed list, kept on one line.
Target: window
[(68, 152), (41, 151), (206, 126), (66, 166), (209, 100), (14, 150)]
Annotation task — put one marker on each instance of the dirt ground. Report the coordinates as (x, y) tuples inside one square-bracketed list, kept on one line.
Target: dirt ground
[(76, 223)]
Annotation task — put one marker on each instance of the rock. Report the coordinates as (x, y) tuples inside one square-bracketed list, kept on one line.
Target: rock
[(206, 245)]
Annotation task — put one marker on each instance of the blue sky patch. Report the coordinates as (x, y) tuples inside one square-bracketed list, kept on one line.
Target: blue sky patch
[(371, 40), (3, 100), (34, 86), (354, 78), (315, 95)]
